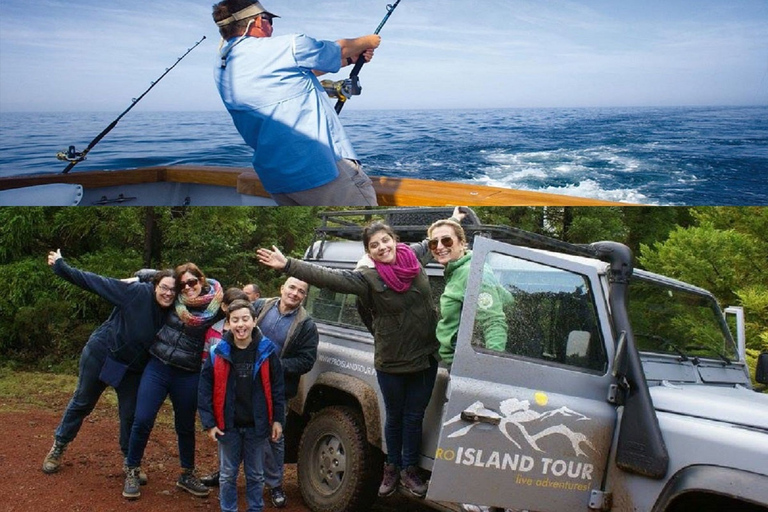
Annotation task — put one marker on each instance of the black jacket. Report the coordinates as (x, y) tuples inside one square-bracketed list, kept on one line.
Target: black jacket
[(130, 329), (403, 324), (299, 352), (181, 345)]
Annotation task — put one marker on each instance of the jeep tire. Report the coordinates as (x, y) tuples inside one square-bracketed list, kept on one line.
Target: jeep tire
[(337, 468)]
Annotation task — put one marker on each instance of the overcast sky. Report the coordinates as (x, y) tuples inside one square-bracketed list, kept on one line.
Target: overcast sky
[(88, 55)]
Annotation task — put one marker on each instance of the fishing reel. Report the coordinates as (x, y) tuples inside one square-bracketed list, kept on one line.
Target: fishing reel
[(71, 155), (342, 89)]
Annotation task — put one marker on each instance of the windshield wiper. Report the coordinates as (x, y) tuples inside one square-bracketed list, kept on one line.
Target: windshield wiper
[(719, 354), (666, 343)]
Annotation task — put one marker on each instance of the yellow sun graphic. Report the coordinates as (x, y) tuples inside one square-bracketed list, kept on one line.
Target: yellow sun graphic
[(540, 398)]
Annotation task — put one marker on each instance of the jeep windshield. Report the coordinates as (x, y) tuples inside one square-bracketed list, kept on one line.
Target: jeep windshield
[(669, 317)]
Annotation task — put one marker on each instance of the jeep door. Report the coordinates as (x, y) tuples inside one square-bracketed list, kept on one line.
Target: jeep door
[(527, 423)]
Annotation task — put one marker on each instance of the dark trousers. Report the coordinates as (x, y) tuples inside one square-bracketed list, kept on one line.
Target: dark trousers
[(158, 381), (89, 390), (406, 396)]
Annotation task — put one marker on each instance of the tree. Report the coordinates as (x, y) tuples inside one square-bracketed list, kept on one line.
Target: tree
[(725, 252)]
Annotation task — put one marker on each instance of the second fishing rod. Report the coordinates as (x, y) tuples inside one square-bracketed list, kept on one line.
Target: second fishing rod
[(74, 157)]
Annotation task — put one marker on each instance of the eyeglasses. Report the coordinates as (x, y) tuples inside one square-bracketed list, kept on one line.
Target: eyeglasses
[(447, 241), (268, 18), (190, 283), (165, 289)]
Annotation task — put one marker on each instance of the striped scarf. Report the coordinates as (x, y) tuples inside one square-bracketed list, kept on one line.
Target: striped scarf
[(211, 300)]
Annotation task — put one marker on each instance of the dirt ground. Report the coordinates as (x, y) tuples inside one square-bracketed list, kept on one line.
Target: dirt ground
[(91, 477)]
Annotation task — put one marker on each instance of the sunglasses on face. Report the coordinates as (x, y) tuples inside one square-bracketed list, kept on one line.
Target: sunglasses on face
[(190, 283), (267, 18), (447, 241)]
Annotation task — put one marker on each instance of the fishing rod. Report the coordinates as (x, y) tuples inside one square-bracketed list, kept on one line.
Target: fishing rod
[(74, 157), (351, 86)]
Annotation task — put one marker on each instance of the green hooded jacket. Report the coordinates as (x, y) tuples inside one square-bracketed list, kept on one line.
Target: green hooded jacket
[(490, 313)]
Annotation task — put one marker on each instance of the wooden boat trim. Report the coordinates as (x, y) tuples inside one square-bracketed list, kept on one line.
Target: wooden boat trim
[(390, 191)]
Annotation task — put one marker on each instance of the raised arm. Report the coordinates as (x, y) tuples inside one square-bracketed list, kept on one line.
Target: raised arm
[(113, 290), (342, 281)]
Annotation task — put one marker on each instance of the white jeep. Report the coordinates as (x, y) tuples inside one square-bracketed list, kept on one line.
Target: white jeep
[(618, 389)]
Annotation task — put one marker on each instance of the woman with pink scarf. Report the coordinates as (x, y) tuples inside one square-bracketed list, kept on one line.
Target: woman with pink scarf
[(396, 303)]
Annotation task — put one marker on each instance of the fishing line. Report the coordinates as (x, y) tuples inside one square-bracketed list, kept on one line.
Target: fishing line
[(73, 156)]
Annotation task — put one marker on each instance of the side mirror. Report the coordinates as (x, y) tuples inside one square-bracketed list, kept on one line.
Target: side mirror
[(761, 370)]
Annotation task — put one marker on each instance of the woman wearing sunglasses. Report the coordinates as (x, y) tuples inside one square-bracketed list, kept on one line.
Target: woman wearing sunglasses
[(394, 292), (174, 369), (116, 352), (448, 244)]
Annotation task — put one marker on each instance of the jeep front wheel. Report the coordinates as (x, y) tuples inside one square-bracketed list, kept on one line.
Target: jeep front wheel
[(337, 468)]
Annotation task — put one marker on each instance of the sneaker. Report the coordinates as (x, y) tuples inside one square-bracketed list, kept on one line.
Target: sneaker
[(389, 480), (278, 497), (131, 487), (52, 461), (413, 482), (190, 483), (211, 480)]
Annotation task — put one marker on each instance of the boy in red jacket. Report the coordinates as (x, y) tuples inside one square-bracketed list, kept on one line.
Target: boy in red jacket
[(241, 401)]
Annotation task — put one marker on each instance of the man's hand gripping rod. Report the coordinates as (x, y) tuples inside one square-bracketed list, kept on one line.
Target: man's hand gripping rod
[(343, 89)]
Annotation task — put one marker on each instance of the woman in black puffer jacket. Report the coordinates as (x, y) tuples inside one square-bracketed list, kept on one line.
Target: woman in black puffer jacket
[(174, 369)]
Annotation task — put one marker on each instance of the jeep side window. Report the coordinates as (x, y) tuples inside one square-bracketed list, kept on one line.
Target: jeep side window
[(550, 314), (334, 308)]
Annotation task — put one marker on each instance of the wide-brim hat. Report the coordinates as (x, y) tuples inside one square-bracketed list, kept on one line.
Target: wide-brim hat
[(249, 12)]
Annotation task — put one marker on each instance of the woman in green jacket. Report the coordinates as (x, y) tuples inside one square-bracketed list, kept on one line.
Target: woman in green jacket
[(393, 286), (448, 244)]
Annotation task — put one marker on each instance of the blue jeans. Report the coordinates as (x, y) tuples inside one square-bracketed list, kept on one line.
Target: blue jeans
[(158, 381), (235, 446), (274, 459), (89, 390), (406, 396)]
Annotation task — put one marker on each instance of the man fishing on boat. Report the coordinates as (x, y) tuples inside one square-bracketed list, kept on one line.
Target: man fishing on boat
[(270, 88)]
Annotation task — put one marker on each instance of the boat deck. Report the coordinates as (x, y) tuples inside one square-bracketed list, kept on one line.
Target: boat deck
[(231, 186)]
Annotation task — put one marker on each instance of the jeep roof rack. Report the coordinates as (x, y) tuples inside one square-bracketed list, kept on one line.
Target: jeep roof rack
[(411, 225)]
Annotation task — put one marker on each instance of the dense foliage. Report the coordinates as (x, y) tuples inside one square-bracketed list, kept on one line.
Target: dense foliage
[(46, 321)]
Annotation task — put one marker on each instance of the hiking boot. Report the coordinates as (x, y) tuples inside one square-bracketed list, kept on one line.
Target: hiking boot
[(211, 480), (190, 483), (412, 481), (143, 479), (131, 487), (389, 480), (278, 497), (52, 461)]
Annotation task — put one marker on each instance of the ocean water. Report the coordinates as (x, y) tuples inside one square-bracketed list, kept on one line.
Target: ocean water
[(659, 156)]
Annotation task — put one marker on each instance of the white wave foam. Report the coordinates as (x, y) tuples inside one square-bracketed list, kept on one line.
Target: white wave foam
[(587, 188), (565, 160)]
